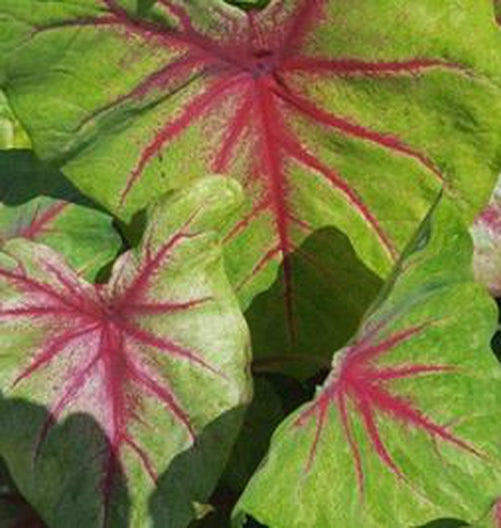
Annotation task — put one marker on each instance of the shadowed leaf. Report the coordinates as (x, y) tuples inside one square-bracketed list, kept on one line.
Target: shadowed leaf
[(15, 512), (61, 482), (333, 289), (263, 416)]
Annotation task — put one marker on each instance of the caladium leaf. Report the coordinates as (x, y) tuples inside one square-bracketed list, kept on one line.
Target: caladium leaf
[(15, 512), (331, 284), (406, 428), (486, 232), (154, 357), (38, 203), (61, 471), (322, 129)]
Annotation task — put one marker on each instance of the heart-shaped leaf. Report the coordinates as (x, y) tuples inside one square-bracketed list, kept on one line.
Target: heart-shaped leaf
[(406, 428), (154, 357), (39, 204), (329, 112)]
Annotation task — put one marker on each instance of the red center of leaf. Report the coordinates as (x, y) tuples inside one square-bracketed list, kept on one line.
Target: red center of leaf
[(253, 64), (95, 343), (359, 387)]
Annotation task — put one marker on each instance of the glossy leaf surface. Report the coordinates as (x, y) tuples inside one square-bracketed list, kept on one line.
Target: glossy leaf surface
[(321, 128), (39, 204), (153, 358), (406, 428)]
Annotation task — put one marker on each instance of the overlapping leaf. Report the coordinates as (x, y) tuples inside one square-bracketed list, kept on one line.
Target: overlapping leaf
[(406, 428), (39, 204), (331, 113), (154, 357)]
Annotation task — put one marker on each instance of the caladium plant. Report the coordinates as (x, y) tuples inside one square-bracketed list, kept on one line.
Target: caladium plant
[(406, 427), (329, 112), (39, 204), (154, 357), (124, 358)]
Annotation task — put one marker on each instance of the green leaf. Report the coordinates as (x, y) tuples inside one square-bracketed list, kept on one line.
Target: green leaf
[(406, 428), (321, 128), (148, 373), (12, 135), (15, 512), (38, 203), (330, 284), (263, 416)]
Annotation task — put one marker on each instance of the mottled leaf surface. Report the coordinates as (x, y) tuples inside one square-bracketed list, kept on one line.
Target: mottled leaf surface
[(406, 428), (153, 357), (39, 204), (329, 112)]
